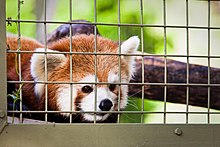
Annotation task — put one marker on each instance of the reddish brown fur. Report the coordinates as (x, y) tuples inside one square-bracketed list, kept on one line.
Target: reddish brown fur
[(82, 65), (84, 43), (25, 45)]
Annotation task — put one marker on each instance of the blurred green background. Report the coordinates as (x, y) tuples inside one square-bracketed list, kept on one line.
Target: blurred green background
[(107, 12), (130, 13)]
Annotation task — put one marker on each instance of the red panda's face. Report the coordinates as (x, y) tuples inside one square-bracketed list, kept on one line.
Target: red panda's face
[(96, 77)]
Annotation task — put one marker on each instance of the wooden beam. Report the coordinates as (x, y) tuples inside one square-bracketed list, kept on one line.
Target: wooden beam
[(199, 91)]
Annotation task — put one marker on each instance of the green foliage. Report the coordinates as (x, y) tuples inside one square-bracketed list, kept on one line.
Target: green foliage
[(15, 96), (135, 104), (26, 13), (107, 12)]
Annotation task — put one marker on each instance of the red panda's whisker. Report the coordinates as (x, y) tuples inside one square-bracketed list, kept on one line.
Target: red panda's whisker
[(135, 93), (130, 118), (134, 105), (75, 116)]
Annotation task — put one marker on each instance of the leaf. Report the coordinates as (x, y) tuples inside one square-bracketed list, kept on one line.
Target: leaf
[(14, 97)]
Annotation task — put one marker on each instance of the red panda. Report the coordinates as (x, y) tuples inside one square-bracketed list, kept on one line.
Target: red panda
[(86, 69)]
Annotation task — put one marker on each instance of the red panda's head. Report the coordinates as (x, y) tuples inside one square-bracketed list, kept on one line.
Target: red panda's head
[(96, 75)]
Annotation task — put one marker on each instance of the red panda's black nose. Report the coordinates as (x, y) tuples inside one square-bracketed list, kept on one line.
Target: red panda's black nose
[(105, 105)]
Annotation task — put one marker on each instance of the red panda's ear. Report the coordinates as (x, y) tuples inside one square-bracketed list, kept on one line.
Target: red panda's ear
[(53, 60), (130, 46)]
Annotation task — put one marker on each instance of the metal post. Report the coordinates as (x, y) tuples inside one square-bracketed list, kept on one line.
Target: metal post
[(3, 80)]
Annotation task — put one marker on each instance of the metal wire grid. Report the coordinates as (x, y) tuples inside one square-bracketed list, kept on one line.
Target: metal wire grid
[(142, 55)]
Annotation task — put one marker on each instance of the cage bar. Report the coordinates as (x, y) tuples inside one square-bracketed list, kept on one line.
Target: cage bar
[(165, 61), (119, 58), (209, 64), (115, 24), (187, 61), (146, 83), (45, 63), (123, 54), (95, 60), (18, 59), (142, 59), (71, 61)]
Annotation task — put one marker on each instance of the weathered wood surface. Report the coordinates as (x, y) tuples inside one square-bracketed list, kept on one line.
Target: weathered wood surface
[(176, 82)]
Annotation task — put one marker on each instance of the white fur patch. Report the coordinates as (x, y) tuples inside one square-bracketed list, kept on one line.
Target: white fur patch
[(88, 103), (39, 90), (38, 63), (90, 117), (64, 98), (89, 78), (130, 46), (114, 78), (38, 67), (124, 101)]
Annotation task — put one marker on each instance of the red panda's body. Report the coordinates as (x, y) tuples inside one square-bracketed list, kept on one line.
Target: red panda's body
[(83, 72), (12, 75)]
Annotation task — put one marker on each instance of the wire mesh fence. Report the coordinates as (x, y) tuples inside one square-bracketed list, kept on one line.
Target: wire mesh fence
[(180, 90)]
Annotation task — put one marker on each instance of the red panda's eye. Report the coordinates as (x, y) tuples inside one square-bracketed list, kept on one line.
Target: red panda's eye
[(112, 87), (87, 89)]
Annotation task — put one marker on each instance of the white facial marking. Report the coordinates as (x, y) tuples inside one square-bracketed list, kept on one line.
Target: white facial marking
[(114, 78), (39, 90), (64, 98), (87, 103), (90, 117), (89, 78), (124, 101)]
